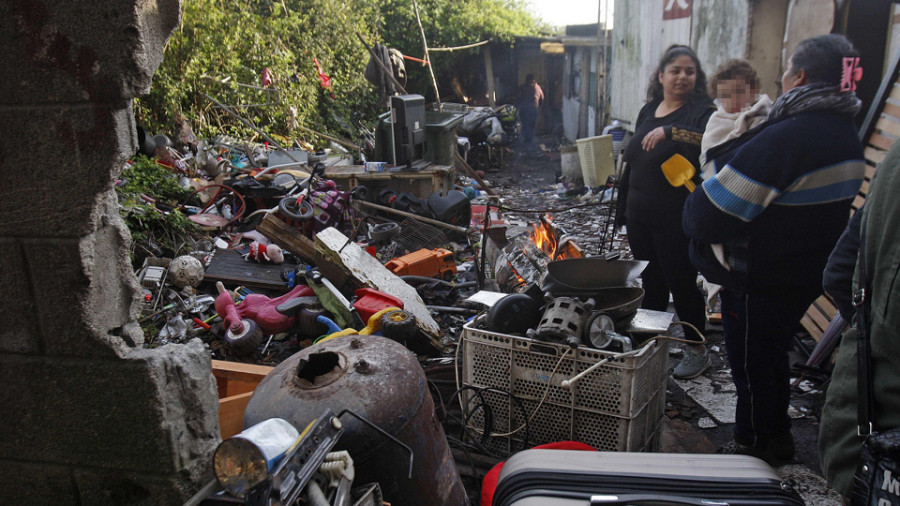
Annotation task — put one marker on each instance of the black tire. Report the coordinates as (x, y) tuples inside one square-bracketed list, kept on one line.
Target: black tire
[(289, 208), (247, 341), (384, 231), (360, 192), (398, 325)]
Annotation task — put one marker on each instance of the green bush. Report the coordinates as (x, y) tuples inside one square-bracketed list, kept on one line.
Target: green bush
[(152, 230), (223, 45)]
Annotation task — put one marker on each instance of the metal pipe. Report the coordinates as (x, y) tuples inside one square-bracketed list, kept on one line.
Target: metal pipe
[(461, 230)]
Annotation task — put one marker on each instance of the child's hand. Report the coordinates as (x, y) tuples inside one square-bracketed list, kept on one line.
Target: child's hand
[(653, 138)]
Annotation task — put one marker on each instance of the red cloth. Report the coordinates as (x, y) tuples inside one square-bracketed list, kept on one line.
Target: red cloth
[(489, 483)]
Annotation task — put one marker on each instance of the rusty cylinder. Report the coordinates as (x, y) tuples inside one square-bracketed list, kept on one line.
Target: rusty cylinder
[(380, 380)]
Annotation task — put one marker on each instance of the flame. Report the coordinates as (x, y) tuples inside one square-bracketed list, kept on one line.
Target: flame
[(544, 237)]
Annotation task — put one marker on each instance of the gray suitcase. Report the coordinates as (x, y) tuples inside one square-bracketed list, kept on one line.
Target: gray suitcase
[(579, 478)]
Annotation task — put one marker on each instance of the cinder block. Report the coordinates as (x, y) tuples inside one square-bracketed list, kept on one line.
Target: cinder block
[(154, 414), (65, 161), (66, 52), (32, 484), (84, 413), (18, 334), (115, 488), (63, 286)]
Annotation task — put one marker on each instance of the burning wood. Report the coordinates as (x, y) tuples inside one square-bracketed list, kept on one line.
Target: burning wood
[(553, 240), (522, 259)]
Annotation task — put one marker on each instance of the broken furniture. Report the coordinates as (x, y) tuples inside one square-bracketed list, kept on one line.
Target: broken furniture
[(421, 183)]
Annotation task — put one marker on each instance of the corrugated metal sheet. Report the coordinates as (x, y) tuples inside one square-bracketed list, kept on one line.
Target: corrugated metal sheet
[(717, 30), (637, 42)]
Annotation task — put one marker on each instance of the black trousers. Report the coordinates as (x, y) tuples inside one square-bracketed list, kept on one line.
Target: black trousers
[(665, 246), (759, 328)]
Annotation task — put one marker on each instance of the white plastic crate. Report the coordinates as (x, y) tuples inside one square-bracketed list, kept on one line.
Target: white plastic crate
[(617, 407), (597, 163)]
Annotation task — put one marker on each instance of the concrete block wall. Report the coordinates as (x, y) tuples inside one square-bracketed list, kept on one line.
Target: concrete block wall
[(88, 415)]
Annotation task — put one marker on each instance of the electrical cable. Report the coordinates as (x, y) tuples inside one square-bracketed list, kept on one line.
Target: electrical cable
[(530, 211)]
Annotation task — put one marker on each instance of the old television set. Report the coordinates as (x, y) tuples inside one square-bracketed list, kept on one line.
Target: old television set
[(408, 131)]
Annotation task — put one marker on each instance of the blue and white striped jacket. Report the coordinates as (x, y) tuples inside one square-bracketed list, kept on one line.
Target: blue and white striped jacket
[(785, 193)]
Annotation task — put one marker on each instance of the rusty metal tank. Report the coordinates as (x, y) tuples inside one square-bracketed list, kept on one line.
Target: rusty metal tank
[(380, 380)]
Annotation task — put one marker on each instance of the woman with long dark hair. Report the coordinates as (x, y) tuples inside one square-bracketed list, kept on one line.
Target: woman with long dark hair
[(672, 122), (780, 199)]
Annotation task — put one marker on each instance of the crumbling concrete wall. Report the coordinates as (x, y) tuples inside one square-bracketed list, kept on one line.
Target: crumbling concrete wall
[(88, 415)]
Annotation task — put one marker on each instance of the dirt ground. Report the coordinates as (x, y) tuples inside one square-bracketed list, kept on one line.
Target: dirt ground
[(699, 413)]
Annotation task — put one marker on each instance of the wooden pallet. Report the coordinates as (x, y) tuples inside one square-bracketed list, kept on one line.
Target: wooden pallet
[(878, 133)]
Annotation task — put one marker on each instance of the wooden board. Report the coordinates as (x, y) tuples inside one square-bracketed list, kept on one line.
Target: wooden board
[(880, 141), (236, 383), (234, 378), (888, 126), (288, 237), (875, 156), (334, 249), (229, 267), (231, 414)]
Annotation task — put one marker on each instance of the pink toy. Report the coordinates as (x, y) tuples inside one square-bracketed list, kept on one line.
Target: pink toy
[(256, 316), (265, 253)]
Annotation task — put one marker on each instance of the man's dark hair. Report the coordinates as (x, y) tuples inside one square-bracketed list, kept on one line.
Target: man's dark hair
[(822, 58)]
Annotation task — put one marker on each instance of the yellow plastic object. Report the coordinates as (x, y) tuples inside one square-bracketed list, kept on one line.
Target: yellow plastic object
[(679, 171), (372, 327), (374, 324)]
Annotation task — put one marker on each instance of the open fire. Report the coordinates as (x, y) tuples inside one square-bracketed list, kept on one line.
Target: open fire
[(522, 259), (553, 241)]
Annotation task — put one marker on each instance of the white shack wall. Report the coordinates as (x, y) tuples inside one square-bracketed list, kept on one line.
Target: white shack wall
[(573, 102), (717, 30)]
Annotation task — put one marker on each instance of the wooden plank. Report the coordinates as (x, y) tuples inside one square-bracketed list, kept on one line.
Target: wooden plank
[(239, 370), (814, 331), (864, 188), (826, 307), (287, 237), (880, 141), (338, 253), (891, 110), (870, 172), (822, 320), (895, 92), (229, 267), (234, 378), (231, 414), (874, 155), (886, 125)]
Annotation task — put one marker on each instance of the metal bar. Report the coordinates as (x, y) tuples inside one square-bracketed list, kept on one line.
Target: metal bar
[(448, 226), (887, 84), (457, 48)]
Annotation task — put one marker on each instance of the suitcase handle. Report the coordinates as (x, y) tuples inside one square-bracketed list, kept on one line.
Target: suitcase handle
[(626, 499)]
